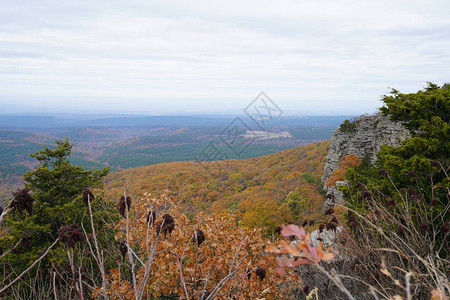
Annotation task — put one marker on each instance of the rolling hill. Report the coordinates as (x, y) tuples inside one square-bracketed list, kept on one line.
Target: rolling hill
[(262, 191)]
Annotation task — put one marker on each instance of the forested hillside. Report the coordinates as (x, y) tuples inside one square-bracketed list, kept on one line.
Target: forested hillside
[(263, 191), (129, 142)]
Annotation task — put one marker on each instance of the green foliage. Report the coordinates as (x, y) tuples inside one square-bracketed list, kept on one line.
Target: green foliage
[(411, 177), (309, 178), (57, 188), (420, 111), (426, 114), (297, 203), (55, 182), (348, 126)]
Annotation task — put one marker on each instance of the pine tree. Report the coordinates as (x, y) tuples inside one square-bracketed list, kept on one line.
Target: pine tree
[(52, 198)]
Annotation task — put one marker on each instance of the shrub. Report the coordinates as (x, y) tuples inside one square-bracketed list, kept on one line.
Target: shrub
[(348, 126), (402, 202)]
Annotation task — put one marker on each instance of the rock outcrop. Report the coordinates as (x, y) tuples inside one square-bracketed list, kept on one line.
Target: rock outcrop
[(364, 138)]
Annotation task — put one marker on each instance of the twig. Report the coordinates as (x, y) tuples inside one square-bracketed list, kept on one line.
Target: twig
[(80, 283), (97, 249), (183, 282), (231, 272), (408, 285), (130, 255), (336, 280), (30, 267), (54, 286), (5, 211), (9, 250), (147, 267)]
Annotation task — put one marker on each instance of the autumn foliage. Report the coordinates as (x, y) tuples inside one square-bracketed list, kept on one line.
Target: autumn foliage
[(205, 256), (255, 189), (345, 163), (300, 252)]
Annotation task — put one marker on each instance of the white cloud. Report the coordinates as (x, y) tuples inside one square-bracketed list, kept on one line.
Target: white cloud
[(306, 54)]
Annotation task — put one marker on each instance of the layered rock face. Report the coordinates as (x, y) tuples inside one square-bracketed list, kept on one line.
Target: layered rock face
[(363, 137)]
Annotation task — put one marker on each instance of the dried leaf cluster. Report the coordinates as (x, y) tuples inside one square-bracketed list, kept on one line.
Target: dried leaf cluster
[(196, 258)]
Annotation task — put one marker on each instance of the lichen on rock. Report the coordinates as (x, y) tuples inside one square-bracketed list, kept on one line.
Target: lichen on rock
[(365, 141)]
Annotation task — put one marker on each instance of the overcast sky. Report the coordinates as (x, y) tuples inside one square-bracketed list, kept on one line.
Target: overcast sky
[(310, 57)]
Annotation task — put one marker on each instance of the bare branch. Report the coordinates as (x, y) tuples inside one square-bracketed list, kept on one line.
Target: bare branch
[(30, 267)]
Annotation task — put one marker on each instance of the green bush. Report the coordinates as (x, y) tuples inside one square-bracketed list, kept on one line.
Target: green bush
[(402, 202), (348, 126), (416, 170), (52, 199)]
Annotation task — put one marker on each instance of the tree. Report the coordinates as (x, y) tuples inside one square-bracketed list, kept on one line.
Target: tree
[(297, 203), (427, 115), (403, 200), (418, 166), (421, 160), (56, 184), (56, 201)]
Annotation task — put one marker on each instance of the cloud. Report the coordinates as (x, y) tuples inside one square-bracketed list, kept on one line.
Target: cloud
[(308, 54)]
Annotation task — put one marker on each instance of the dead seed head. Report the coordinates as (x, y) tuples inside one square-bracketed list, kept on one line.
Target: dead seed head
[(199, 237), (23, 201), (70, 235), (277, 230), (329, 211), (321, 227), (261, 273), (331, 226), (434, 201), (412, 174), (166, 226), (124, 205), (151, 217), (87, 196), (123, 249), (367, 194), (383, 172)]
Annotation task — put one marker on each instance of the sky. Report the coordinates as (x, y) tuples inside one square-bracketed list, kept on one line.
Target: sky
[(182, 57)]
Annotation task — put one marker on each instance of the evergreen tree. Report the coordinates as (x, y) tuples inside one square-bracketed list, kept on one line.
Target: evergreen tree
[(412, 178), (55, 201)]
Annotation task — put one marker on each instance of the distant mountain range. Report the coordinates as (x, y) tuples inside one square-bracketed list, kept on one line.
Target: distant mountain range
[(29, 121)]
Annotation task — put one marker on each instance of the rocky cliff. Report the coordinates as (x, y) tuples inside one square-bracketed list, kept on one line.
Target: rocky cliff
[(362, 137)]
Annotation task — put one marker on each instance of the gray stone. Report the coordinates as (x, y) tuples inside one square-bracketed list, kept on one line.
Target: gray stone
[(370, 134)]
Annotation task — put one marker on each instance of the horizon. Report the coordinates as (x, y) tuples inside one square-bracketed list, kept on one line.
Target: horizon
[(231, 114), (96, 107)]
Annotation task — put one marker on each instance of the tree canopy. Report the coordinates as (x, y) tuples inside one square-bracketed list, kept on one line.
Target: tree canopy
[(413, 177), (50, 200)]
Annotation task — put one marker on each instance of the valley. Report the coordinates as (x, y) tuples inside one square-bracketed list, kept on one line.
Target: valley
[(122, 142)]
